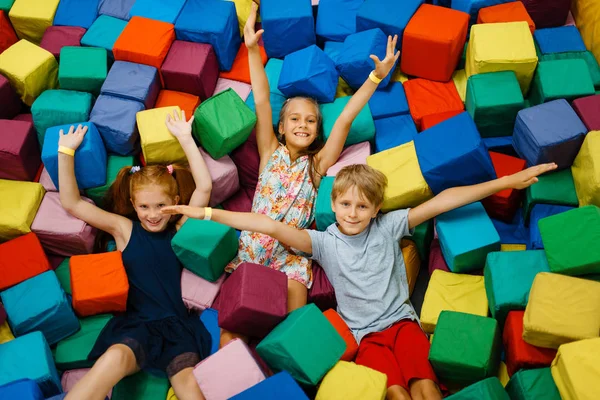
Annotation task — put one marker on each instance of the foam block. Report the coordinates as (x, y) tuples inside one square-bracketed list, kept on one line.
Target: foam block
[(427, 97), (24, 199), (241, 201), (436, 258), (587, 56), (82, 68), (324, 215), (548, 14), (393, 131), (9, 99), (574, 367), (5, 333), (73, 351), (81, 13), (8, 37), (242, 89), (321, 292), (561, 39), (30, 18), (342, 329), (585, 168), (387, 16), (362, 128), (141, 386), (116, 8), (553, 188), (57, 37), (355, 154), (533, 384), (157, 10), (3, 315), (71, 377), (504, 204), (539, 212), (454, 292), (132, 81), (389, 101), (489, 388), (19, 151), (24, 389), (210, 318), (103, 33), (113, 165), (224, 174), (506, 12), (561, 79), (288, 26), (185, 101), (159, 146), (337, 19), (352, 381), (587, 109), (197, 293), (278, 386), (63, 274)]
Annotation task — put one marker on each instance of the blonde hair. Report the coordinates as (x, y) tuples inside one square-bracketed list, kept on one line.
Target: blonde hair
[(370, 183)]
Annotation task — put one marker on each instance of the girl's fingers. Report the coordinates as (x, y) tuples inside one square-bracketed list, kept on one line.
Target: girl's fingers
[(183, 115), (71, 129), (374, 58), (191, 120)]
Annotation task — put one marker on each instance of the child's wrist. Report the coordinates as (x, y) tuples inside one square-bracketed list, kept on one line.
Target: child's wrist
[(374, 78), (207, 213), (66, 150)]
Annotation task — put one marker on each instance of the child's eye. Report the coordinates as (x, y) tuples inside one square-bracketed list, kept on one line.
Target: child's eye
[(161, 205), (143, 206), (345, 204), (363, 207)]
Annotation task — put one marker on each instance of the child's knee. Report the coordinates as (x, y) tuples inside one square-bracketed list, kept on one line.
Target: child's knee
[(120, 356), (425, 389), (397, 392), (297, 295)]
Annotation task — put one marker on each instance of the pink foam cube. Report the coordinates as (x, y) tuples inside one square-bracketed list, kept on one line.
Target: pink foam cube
[(241, 88), (229, 371), (247, 160), (197, 293), (57, 37), (355, 154), (19, 150), (321, 292), (224, 174), (71, 377), (46, 181)]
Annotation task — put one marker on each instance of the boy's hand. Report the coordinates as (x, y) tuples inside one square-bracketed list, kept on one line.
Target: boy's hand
[(177, 126), (528, 177), (73, 138), (188, 211), (251, 37), (383, 68)]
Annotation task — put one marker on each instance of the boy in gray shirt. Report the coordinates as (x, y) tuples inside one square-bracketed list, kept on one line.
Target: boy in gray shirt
[(362, 258)]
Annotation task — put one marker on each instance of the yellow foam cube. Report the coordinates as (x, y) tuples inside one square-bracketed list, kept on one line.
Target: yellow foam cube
[(406, 185), (504, 46), (453, 292), (349, 381), (5, 333), (20, 202), (243, 9), (586, 170), (460, 81), (30, 70), (587, 18), (399, 76), (503, 374), (158, 145), (343, 89), (30, 18), (513, 247), (171, 394), (412, 261), (576, 369), (561, 309)]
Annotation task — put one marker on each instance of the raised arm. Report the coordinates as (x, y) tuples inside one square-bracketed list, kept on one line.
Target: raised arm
[(330, 153), (456, 197), (295, 238)]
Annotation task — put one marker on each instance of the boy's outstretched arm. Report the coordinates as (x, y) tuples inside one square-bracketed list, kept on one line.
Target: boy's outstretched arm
[(296, 238), (456, 197), (335, 143)]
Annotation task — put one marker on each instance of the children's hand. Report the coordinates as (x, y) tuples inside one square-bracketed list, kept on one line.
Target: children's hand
[(188, 211), (177, 126), (528, 177), (73, 138), (251, 37), (383, 67)]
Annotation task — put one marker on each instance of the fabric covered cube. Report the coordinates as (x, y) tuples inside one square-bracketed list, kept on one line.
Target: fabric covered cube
[(46, 181), (247, 160), (504, 204), (63, 274), (433, 42), (321, 293), (436, 258), (549, 132), (23, 199), (351, 381), (141, 386), (198, 294), (362, 128), (103, 33), (473, 7), (389, 101), (551, 188), (158, 10), (344, 331), (508, 278), (427, 97), (547, 14), (191, 68), (82, 68), (29, 357), (30, 18), (53, 316), (586, 169), (241, 201), (205, 247), (574, 367), (21, 259), (30, 70), (242, 89), (412, 262), (8, 37), (354, 64), (233, 359), (309, 72), (493, 101), (561, 39), (288, 26), (5, 333), (561, 79), (452, 154), (533, 384), (432, 120), (489, 388), (336, 19), (387, 16), (587, 108), (406, 185), (454, 292), (57, 37), (81, 13), (324, 215), (513, 11), (71, 377), (459, 78), (224, 174), (11, 105), (586, 56), (185, 101), (115, 119), (73, 351), (256, 300), (220, 130), (394, 131), (541, 211), (466, 235), (213, 22), (133, 81), (116, 8), (457, 355), (144, 41), (240, 70), (355, 154), (3, 315), (99, 283), (158, 145), (278, 386), (518, 353), (504, 46), (210, 318), (113, 165), (24, 389), (19, 151), (561, 309)]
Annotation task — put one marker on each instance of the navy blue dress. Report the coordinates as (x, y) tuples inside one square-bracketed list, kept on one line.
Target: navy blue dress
[(164, 337)]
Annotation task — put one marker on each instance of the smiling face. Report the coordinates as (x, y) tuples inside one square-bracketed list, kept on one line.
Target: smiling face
[(147, 202), (299, 123), (353, 212)]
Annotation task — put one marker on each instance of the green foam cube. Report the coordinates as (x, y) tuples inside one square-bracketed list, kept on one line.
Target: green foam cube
[(72, 352), (487, 389), (283, 351), (222, 123), (5, 5), (586, 56), (82, 68), (561, 79), (532, 384), (553, 188), (571, 241), (493, 101), (465, 348), (113, 166), (205, 247), (324, 215), (423, 236), (141, 386), (63, 273), (362, 128)]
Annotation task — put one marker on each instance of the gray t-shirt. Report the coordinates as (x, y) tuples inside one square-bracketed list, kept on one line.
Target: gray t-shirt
[(367, 272)]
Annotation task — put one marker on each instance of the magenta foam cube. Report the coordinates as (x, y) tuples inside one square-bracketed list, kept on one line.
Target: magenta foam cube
[(197, 293), (20, 156), (321, 292), (224, 174), (588, 109), (436, 258), (11, 105), (241, 201), (57, 37), (256, 300), (355, 154), (241, 88), (247, 160)]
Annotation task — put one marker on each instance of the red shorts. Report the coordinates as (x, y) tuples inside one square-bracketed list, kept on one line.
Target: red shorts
[(401, 352)]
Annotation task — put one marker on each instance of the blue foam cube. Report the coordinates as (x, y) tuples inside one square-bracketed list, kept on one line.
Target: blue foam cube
[(116, 8), (278, 386), (76, 13), (538, 212), (40, 304), (103, 33), (114, 118), (390, 16), (549, 132), (333, 50), (29, 357), (394, 131), (210, 319), (23, 389), (562, 39), (90, 157), (452, 153), (336, 19), (309, 72), (289, 26), (214, 22), (354, 63), (160, 10), (389, 101), (132, 81), (501, 144), (472, 7), (513, 232), (466, 236)]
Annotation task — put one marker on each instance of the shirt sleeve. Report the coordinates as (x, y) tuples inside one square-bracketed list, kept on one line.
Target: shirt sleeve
[(317, 240), (395, 222)]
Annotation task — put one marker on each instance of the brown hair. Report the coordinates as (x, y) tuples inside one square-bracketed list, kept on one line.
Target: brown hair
[(316, 145), (370, 183)]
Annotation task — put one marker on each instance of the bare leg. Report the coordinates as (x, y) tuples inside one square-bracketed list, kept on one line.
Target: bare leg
[(115, 364), (297, 295), (227, 337), (397, 392), (185, 385), (425, 389)]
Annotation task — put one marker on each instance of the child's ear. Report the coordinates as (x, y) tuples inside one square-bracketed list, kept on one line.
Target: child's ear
[(176, 200), (376, 211)]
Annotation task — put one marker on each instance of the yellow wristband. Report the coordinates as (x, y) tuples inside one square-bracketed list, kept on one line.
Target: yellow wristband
[(374, 78), (66, 150), (207, 213)]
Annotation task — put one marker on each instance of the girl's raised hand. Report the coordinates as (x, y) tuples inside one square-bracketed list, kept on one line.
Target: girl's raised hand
[(188, 211), (73, 138), (178, 126), (251, 37), (383, 67), (528, 177)]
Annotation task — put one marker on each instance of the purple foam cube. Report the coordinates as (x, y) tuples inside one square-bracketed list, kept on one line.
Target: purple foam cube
[(2, 314), (321, 292), (57, 37), (19, 150), (11, 105)]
